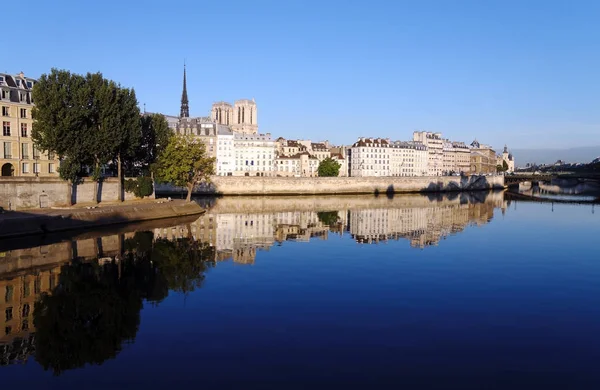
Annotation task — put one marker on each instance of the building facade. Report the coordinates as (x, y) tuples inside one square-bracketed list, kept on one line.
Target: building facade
[(299, 165), (370, 157), (483, 159), (241, 117), (254, 154), (19, 156), (201, 128), (457, 158), (435, 150), (506, 157), (225, 151), (409, 159)]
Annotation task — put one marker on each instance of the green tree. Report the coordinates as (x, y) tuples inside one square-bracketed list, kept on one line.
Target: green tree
[(504, 166), (155, 134), (184, 163), (329, 168), (87, 121), (61, 121)]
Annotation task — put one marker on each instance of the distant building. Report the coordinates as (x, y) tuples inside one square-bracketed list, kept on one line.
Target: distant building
[(435, 150), (483, 159), (241, 117), (457, 157), (202, 128), (507, 157), (225, 151), (298, 165), (19, 156), (409, 159)]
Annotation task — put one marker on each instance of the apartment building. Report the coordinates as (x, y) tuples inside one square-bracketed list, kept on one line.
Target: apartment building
[(435, 150), (370, 157), (254, 154), (19, 156)]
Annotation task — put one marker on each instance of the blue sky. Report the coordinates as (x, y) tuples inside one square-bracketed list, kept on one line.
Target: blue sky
[(524, 73)]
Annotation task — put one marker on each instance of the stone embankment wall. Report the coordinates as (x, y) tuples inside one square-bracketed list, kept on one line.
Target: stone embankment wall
[(30, 223), (19, 193), (248, 185)]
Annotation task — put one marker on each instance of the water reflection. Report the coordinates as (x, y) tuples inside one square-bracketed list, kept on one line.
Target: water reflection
[(77, 301)]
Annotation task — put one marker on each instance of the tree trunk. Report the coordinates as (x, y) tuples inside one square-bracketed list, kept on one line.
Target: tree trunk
[(70, 193), (190, 188), (120, 176), (96, 179)]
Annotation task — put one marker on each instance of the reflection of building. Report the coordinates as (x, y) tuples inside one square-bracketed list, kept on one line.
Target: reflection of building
[(18, 156), (423, 226)]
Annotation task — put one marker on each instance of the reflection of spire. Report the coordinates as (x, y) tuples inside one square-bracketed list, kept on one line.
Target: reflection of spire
[(185, 107)]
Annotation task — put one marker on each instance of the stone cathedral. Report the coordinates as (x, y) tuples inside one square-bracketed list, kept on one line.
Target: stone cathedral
[(240, 118)]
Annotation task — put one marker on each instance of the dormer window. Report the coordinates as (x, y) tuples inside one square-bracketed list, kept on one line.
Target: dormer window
[(1, 79), (18, 83), (29, 84)]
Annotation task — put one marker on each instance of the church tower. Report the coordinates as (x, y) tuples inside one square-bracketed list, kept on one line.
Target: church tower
[(185, 107), (244, 117)]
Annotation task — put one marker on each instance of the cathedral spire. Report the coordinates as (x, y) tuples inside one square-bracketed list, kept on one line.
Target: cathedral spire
[(185, 107)]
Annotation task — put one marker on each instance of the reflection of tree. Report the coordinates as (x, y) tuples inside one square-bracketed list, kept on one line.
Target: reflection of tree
[(95, 308), (182, 262), (87, 317), (328, 218)]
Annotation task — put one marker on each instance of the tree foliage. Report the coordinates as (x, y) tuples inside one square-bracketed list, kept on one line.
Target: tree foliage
[(141, 186), (329, 168), (87, 121), (184, 163), (61, 121), (155, 134)]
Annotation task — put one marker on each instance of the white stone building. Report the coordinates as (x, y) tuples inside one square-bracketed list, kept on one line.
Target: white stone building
[(298, 165), (435, 149), (408, 159), (507, 157), (254, 154), (225, 151), (370, 157)]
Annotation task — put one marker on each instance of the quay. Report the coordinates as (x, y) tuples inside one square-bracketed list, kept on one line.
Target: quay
[(250, 185), (48, 221)]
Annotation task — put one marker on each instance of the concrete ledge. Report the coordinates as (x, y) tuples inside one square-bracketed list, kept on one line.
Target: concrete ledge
[(250, 185), (17, 224)]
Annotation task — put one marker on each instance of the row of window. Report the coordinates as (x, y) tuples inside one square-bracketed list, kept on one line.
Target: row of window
[(36, 168), (6, 112), (24, 152), (6, 131), (22, 96)]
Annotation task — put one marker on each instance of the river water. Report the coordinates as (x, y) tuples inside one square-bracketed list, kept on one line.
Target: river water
[(460, 291)]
